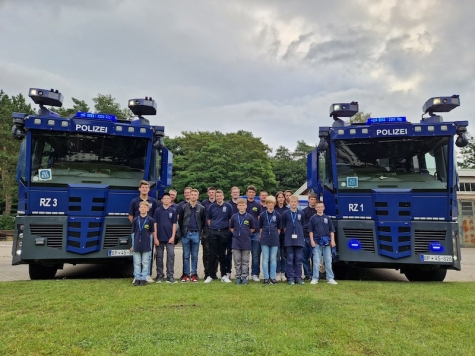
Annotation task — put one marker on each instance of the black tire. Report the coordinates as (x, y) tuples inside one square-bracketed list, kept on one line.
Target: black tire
[(38, 271), (433, 275)]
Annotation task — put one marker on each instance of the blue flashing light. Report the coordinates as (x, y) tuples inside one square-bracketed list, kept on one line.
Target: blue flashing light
[(90, 115), (385, 120), (436, 247), (354, 244)]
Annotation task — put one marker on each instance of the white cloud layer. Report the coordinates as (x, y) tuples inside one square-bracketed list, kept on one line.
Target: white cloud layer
[(272, 68)]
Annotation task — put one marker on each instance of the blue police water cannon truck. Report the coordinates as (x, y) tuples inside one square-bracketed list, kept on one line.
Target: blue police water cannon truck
[(390, 187), (76, 179)]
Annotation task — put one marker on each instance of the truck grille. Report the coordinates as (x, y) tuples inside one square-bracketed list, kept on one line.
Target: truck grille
[(422, 238), (113, 232), (365, 236), (52, 233)]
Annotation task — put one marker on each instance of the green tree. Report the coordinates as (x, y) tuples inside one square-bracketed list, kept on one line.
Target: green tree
[(203, 159), (467, 154), (9, 148), (290, 168), (79, 105), (359, 117), (106, 104)]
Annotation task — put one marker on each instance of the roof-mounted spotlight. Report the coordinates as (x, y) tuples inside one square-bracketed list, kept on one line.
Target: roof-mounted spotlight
[(145, 106), (46, 97), (343, 109), (441, 104)]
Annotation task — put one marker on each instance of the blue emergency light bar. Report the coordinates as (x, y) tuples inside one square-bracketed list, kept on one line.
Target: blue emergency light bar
[(90, 115), (385, 120)]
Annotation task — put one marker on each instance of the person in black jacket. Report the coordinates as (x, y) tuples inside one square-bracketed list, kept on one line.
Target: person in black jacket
[(191, 222)]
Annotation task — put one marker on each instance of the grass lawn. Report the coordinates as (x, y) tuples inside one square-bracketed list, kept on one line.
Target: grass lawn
[(109, 316)]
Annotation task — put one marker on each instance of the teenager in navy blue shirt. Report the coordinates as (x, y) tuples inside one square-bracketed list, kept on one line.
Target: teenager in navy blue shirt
[(144, 189), (281, 260), (142, 235), (165, 230), (309, 211), (218, 216), (322, 238), (269, 231), (205, 233), (242, 226), (293, 222), (254, 208)]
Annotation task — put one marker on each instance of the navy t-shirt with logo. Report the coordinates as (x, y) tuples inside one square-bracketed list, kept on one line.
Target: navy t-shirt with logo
[(135, 203), (269, 224), (254, 208), (320, 225), (242, 225), (142, 230), (165, 218), (293, 223), (219, 215)]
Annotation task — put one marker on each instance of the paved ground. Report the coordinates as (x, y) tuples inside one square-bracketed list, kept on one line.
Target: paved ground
[(18, 273)]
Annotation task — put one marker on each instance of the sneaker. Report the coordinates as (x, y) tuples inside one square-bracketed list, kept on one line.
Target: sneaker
[(170, 280), (185, 278), (290, 282), (308, 278), (143, 283), (332, 281), (314, 281), (194, 278), (225, 279), (244, 281), (255, 278), (208, 279), (283, 278), (133, 282), (273, 281), (238, 280), (229, 275), (299, 281), (136, 282), (150, 279), (266, 281), (159, 280)]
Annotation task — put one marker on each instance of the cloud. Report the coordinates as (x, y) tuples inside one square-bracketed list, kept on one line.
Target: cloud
[(272, 68)]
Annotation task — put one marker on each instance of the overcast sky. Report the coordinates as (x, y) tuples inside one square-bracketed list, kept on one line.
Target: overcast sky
[(270, 67)]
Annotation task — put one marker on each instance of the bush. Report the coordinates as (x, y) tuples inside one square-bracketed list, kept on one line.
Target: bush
[(7, 223)]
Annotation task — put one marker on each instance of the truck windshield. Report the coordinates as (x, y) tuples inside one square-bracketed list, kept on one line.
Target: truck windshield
[(419, 163), (61, 159)]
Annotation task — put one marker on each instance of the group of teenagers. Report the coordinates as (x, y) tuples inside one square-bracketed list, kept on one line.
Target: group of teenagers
[(239, 230)]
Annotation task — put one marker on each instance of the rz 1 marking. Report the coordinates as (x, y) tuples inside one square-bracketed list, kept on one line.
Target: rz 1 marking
[(355, 207), (48, 202)]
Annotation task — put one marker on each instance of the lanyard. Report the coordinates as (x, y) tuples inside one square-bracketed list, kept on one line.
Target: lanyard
[(269, 221), (141, 227), (294, 217), (240, 222)]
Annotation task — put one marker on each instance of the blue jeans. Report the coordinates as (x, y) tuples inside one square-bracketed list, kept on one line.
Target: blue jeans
[(141, 265), (281, 260), (269, 252), (307, 254), (327, 258), (191, 245), (256, 254)]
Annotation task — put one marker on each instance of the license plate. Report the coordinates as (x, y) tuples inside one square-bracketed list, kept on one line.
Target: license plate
[(113, 253), (436, 258)]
